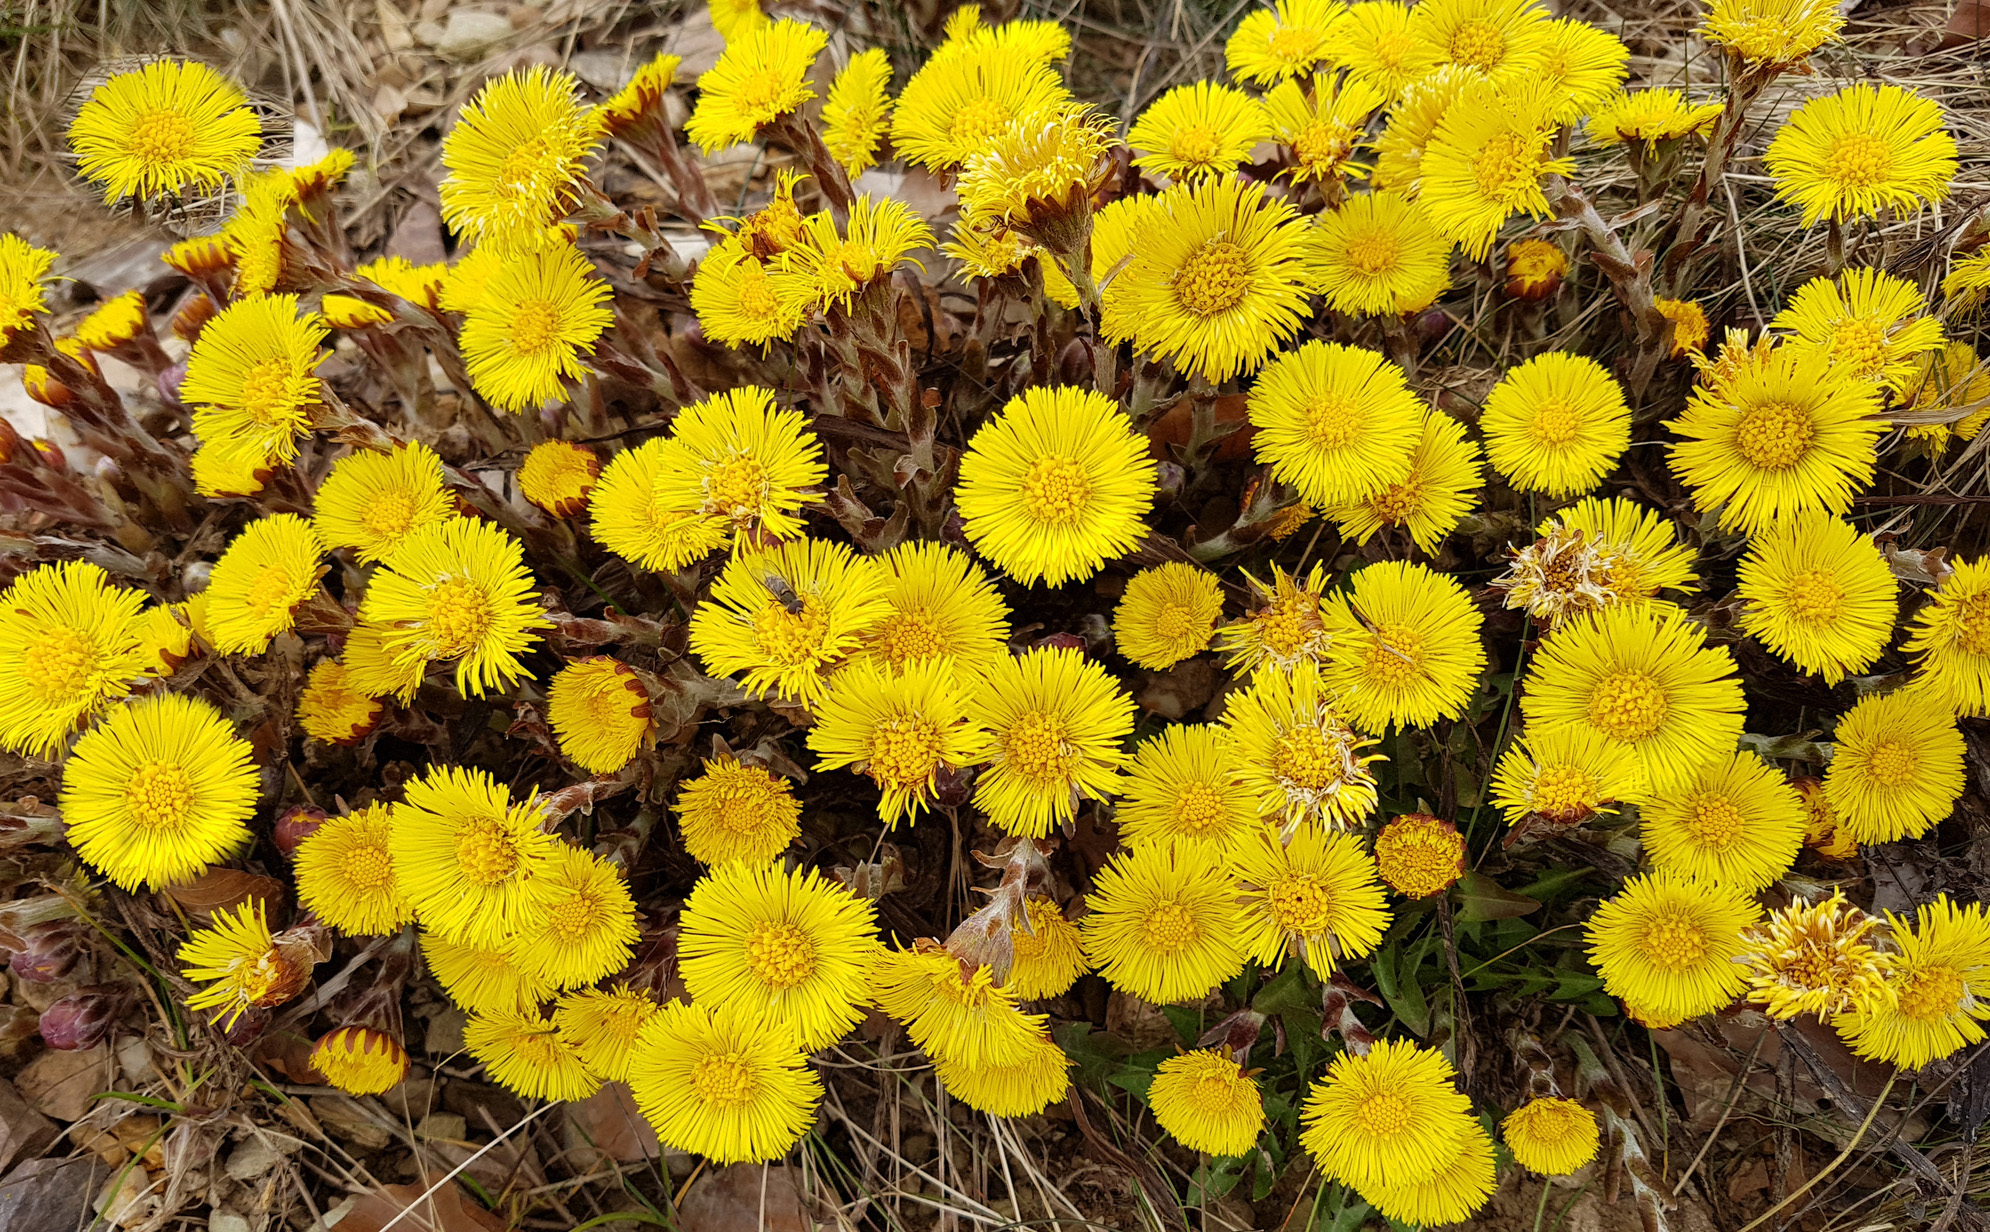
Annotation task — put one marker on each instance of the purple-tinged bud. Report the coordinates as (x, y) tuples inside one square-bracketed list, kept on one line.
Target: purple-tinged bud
[(1061, 641), (168, 382), (1168, 480), (248, 1028), (1433, 325), (951, 787), (81, 1019), (52, 952), (297, 823)]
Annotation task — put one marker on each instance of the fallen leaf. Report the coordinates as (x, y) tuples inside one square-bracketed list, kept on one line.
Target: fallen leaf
[(225, 889), (609, 1122), (745, 1198), (448, 1209), (62, 1084)]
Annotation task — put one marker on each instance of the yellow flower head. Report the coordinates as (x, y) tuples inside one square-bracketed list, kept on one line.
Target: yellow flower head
[(1777, 35), (1950, 636), (1374, 43), (943, 606), (345, 873), (583, 927), (1819, 595), (1669, 944), (268, 569), (1277, 43), (242, 966), (1378, 254), (785, 617), (902, 728), (761, 77), (1689, 325), (644, 523), (1413, 121), (1965, 286), (1196, 130), (1169, 613), (1390, 1117), (1056, 722), (1822, 833), (469, 857), (418, 284), (1040, 170), (1737, 822), (1165, 924), (1866, 148), (1485, 161), (485, 980), (954, 1010), (600, 713), (1411, 654), (1534, 268), (1286, 627), (1954, 382), (957, 103), (1898, 768), (1815, 959), (1336, 422), (791, 946), (1867, 320), (165, 640), (738, 458), (23, 271), (330, 709), (1186, 787), (1565, 773), (114, 322), (1776, 432), (1314, 897), (557, 476), (522, 1051), (736, 300), (1025, 1088), (168, 126), (603, 1026), (1445, 470), (514, 158), (1297, 751), (371, 501), (857, 112), (1648, 681), (827, 268), (1461, 1187), (69, 647), (1206, 1102), (735, 812), (250, 378), (724, 1081), (1504, 40), (1322, 124), (1215, 283), (538, 317), (1055, 485), (640, 100), (1580, 65), (733, 18), (1597, 553), (1419, 855), (464, 282), (455, 590), (360, 1060), (349, 313), (1556, 424), (1940, 980), (1047, 953), (1551, 1135), (157, 791), (1650, 116)]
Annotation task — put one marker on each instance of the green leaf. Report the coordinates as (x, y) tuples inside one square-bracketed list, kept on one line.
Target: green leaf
[(1549, 885), (1215, 1177), (1286, 991), (1264, 1175), (1482, 898), (1096, 1054), (1345, 1212), (1187, 1022), (1397, 983), (1134, 1079)]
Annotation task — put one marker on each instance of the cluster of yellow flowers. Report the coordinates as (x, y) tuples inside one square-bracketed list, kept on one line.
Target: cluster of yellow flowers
[(1267, 234)]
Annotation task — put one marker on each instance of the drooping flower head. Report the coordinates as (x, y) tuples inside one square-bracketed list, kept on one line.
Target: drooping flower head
[(1039, 174), (451, 591), (557, 476), (1897, 768), (69, 647), (1816, 958), (360, 1060), (241, 964), (537, 319), (1737, 822), (158, 791), (828, 266), (23, 273), (737, 812), (1022, 1089), (1206, 1102), (1818, 595), (1056, 721), (782, 619), (1669, 944), (736, 301), (1419, 855), (469, 857), (514, 158), (1460, 1188), (902, 728), (1410, 654), (1196, 130), (1650, 116), (330, 709), (1315, 898), (522, 1051), (345, 873), (1055, 485), (1047, 953), (371, 500), (1774, 35), (639, 102), (482, 979), (951, 108), (1296, 750), (1647, 681), (645, 524), (761, 77), (168, 126), (1864, 149), (1165, 924)]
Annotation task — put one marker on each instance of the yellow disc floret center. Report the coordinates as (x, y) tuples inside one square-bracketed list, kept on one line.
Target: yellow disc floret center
[(1814, 596), (1506, 167), (1715, 821), (791, 638), (1931, 993), (1199, 810), (1385, 1114), (1859, 160), (724, 1080), (535, 325), (975, 123), (1299, 904), (1215, 278), (266, 391), (1170, 928), (736, 485), (1860, 342), (779, 954), (1334, 422), (389, 514), (1055, 490), (1892, 764), (1195, 143), (486, 852), (272, 590), (1478, 44), (1555, 422), (459, 615), (369, 868), (1674, 941), (1038, 748), (904, 752), (59, 665), (160, 137), (1774, 436), (1395, 657), (909, 636), (1628, 705), (1323, 146), (1303, 758), (1376, 252), (159, 796), (1972, 623), (1295, 44), (1562, 792)]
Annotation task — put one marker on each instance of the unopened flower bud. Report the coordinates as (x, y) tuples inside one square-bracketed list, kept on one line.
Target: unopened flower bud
[(1534, 269), (53, 951), (360, 1060), (296, 824), (81, 1019), (1420, 855), (168, 383)]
